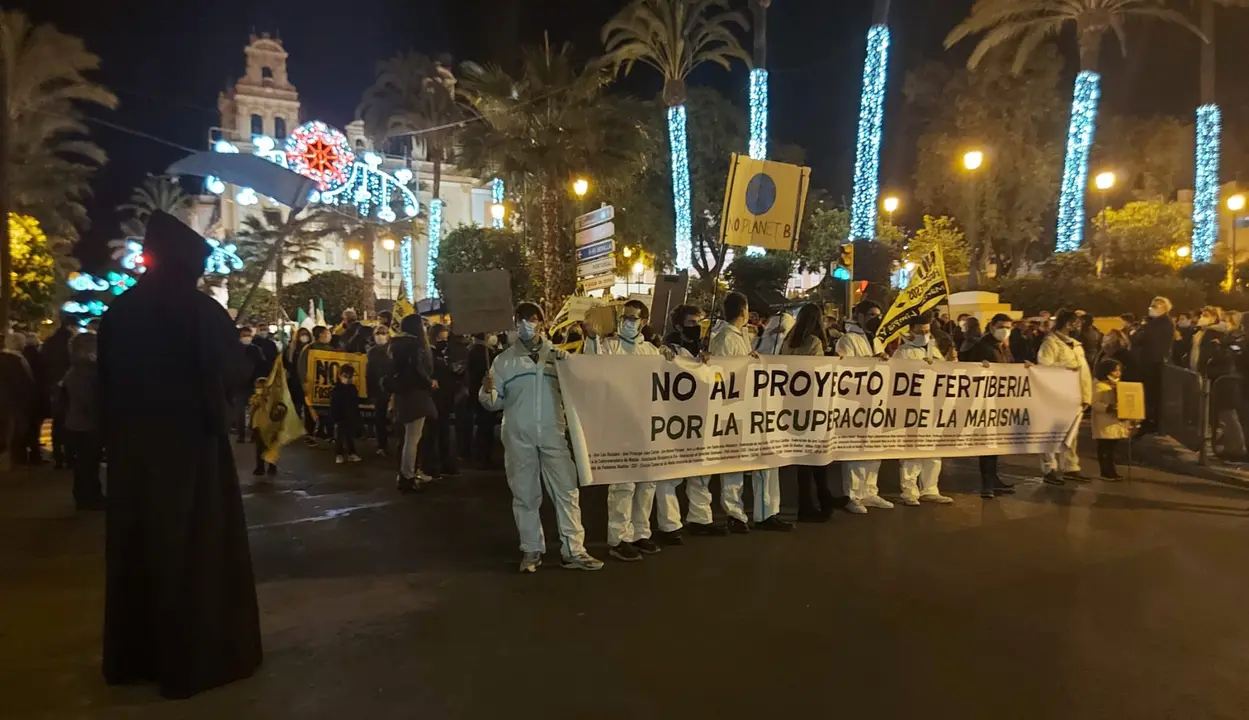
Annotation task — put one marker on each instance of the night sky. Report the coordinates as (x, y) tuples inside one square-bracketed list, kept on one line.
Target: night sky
[(167, 61)]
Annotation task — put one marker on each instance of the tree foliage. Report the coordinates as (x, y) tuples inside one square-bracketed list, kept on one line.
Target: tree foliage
[(752, 275), (34, 269), (944, 233), (300, 237), (263, 308), (1141, 238), (1018, 122), (156, 192), (1152, 157), (469, 248), (338, 290)]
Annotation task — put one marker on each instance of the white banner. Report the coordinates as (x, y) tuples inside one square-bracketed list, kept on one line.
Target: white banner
[(635, 418)]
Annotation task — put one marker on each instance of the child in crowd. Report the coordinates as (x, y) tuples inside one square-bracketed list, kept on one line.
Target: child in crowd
[(345, 414), (256, 408), (1108, 429)]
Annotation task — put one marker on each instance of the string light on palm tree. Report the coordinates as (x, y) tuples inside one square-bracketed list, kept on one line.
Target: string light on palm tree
[(1028, 23), (388, 244), (674, 37), (871, 127)]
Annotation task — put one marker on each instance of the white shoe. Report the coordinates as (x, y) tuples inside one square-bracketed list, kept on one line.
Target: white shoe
[(339, 459), (584, 561), (910, 500), (936, 498), (530, 561), (856, 507), (876, 501), (353, 458)]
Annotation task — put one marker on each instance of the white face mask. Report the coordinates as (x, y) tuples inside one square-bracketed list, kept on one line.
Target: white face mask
[(526, 330), (1155, 312), (492, 341), (1000, 334), (919, 340), (246, 340), (629, 328), (381, 339)]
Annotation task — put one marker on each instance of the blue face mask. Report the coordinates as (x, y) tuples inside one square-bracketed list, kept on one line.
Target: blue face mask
[(629, 328), (526, 330)]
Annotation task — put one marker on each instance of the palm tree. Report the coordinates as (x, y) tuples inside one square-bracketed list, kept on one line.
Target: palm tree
[(44, 162), (413, 95), (863, 215), (539, 128), (1209, 131), (269, 242), (1029, 23), (157, 192), (759, 82), (674, 37)]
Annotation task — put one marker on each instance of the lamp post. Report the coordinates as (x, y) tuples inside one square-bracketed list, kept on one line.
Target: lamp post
[(890, 205), (580, 187), (973, 160), (1104, 182), (1236, 204), (389, 244), (638, 269), (497, 213), (354, 255)]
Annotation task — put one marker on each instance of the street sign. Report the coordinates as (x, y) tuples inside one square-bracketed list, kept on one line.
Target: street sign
[(599, 265), (598, 282), (596, 233), (594, 217), (595, 250)]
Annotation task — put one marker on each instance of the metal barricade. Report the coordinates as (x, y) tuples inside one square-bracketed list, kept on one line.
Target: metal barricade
[(1184, 411), (1227, 436)]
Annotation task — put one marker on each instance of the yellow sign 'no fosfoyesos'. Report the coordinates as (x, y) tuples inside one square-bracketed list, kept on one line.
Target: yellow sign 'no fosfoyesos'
[(763, 203)]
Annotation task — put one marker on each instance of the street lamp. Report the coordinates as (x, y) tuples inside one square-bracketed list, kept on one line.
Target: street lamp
[(972, 161), (581, 186), (354, 254), (389, 244), (1236, 204), (627, 252), (638, 269), (1104, 180), (891, 204), (497, 211), (1183, 251)]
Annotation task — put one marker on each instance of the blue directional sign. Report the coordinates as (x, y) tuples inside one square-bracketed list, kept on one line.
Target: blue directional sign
[(596, 250)]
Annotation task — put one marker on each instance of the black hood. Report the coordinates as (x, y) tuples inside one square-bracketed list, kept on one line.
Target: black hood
[(173, 252)]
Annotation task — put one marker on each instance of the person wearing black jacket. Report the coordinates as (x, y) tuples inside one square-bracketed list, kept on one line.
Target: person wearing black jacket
[(379, 366), (991, 347), (56, 362), (410, 384), (1153, 346), (355, 338), (268, 348), (345, 409), (437, 455), (480, 356)]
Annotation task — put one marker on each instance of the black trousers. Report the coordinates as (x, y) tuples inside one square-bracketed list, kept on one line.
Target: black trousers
[(1106, 457), (260, 450), (988, 472), (240, 416), (62, 453), (345, 439), (1151, 378), (813, 486), (483, 432), (381, 424), (87, 448), (437, 456)]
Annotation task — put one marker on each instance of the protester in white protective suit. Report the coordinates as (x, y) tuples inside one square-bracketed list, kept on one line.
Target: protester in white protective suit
[(774, 334), (919, 477), (1060, 349), (728, 340), (629, 504), (860, 341), (523, 384), (685, 341)]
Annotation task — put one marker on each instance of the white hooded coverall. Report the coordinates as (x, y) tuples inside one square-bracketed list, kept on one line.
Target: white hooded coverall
[(1066, 353), (628, 504), (919, 477), (667, 507), (526, 389), (860, 477), (728, 340)]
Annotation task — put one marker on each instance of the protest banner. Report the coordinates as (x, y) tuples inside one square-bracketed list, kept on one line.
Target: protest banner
[(763, 203), (926, 290), (634, 419), (480, 302), (322, 373)]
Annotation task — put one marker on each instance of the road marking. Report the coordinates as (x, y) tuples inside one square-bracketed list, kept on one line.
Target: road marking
[(327, 515)]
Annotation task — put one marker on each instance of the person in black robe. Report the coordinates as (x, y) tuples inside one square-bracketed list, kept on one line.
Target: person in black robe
[(180, 599)]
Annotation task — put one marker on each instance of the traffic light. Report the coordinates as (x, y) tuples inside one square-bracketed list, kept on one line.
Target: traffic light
[(845, 262)]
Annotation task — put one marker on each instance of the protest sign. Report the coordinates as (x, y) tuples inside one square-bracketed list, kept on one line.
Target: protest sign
[(480, 302), (322, 373), (763, 203), (1130, 400), (670, 291), (927, 289), (634, 419)]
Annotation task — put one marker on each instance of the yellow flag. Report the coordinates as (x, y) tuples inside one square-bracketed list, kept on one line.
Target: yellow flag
[(402, 308), (925, 290), (763, 203), (273, 414)]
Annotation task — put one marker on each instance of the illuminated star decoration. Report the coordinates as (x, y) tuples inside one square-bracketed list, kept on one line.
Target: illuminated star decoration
[(871, 124), (317, 151), (1206, 194), (1076, 166)]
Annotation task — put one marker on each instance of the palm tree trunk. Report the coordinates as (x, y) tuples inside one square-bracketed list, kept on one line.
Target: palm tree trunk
[(1209, 129), (863, 210), (759, 84), (550, 257), (681, 187), (435, 223), (6, 252), (369, 262), (1087, 91), (279, 274)]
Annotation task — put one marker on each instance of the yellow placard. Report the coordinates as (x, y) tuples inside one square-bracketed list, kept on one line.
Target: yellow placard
[(1130, 400), (322, 373), (763, 203)]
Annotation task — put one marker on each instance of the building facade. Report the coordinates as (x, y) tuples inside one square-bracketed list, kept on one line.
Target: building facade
[(261, 115)]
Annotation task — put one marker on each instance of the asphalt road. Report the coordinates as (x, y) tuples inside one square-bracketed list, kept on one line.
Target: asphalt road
[(1093, 601)]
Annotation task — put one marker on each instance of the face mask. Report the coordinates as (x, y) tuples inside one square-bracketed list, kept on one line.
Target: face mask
[(381, 339), (526, 330), (873, 324), (691, 332), (492, 341), (1155, 312), (246, 340), (629, 328), (1204, 321), (441, 345), (1000, 334), (1183, 324), (919, 340)]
